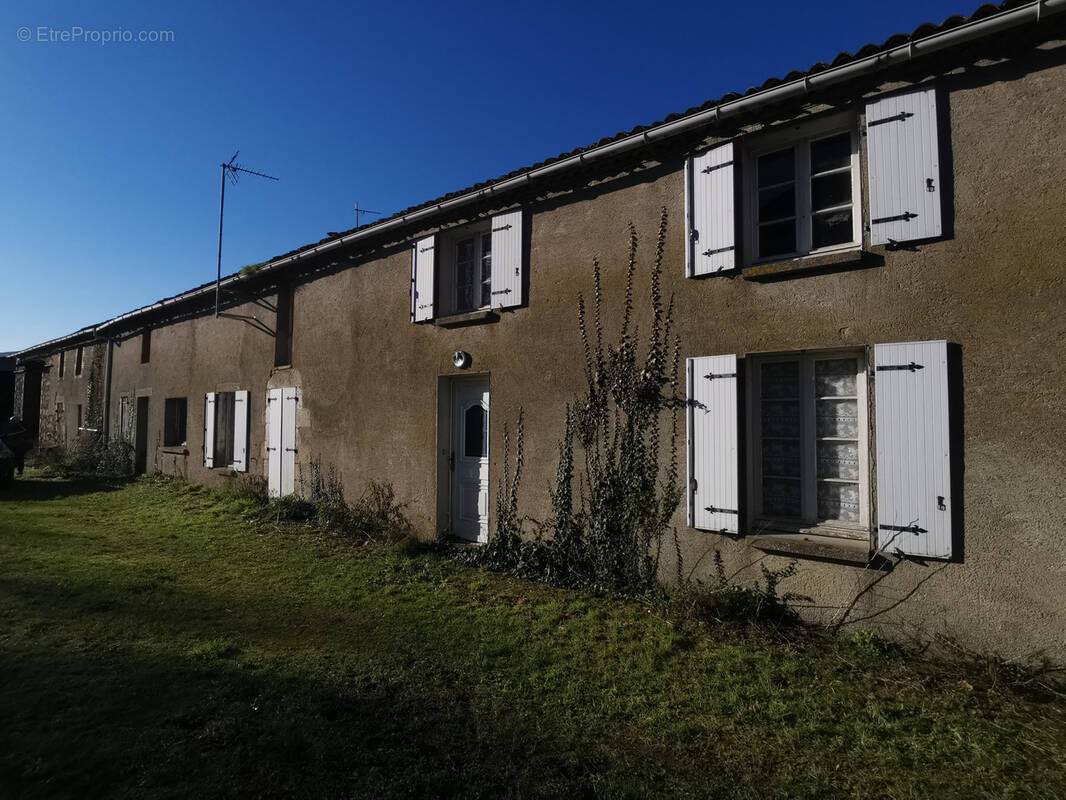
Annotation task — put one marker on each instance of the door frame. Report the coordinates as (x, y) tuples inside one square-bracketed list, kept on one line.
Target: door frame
[(446, 391)]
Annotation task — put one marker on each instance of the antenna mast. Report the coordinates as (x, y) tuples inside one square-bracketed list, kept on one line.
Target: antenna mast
[(232, 171), (359, 211)]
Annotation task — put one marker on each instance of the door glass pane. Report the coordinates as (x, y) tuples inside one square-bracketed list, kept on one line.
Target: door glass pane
[(781, 445), (475, 435)]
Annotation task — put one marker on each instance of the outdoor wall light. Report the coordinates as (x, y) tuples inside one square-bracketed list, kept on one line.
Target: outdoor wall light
[(461, 359)]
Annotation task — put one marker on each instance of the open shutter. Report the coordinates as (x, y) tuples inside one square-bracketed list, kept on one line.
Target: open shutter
[(289, 398), (904, 167), (913, 448), (710, 208), (209, 429), (422, 279), (507, 260), (240, 431), (713, 466), (274, 409)]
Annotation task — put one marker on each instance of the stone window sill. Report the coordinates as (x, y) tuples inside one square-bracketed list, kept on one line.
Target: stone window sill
[(176, 450), (818, 547), (467, 318), (823, 262)]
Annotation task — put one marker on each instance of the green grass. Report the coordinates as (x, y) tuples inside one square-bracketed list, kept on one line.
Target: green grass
[(156, 642)]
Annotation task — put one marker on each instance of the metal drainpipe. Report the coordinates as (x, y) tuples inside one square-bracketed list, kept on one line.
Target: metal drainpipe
[(106, 423)]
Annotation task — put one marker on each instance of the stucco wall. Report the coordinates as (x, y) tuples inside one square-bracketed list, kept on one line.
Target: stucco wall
[(994, 286)]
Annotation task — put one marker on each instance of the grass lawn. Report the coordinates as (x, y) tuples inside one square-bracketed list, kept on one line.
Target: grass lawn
[(155, 642)]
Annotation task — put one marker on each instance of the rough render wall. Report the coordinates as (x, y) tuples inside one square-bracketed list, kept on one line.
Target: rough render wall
[(60, 397), (369, 377)]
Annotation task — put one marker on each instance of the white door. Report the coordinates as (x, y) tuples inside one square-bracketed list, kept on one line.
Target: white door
[(281, 441), (470, 459)]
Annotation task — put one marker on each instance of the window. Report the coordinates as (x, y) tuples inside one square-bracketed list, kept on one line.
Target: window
[(62, 362), (226, 417), (283, 334), (473, 268), (77, 361), (125, 419), (224, 427), (809, 440), (803, 194), (476, 444), (175, 414), (146, 346), (79, 418)]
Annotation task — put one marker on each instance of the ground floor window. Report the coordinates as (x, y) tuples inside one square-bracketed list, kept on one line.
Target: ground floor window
[(175, 416), (224, 427), (809, 445)]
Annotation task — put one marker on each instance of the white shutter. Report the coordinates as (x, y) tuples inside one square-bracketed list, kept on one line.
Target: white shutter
[(240, 430), (274, 409), (289, 401), (713, 466), (507, 260), (913, 448), (209, 429), (710, 208), (904, 167), (422, 279)]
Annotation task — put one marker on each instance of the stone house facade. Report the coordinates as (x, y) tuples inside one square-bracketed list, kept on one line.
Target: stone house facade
[(866, 261)]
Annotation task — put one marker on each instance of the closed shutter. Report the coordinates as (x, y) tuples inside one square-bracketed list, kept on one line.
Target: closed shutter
[(240, 431), (274, 408), (422, 279), (913, 448), (713, 465), (710, 208), (209, 429), (507, 260), (290, 399), (903, 163)]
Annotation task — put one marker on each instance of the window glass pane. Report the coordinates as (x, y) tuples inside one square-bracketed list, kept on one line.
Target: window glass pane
[(475, 436), (831, 153), (838, 501), (832, 228), (777, 167), (781, 418), (777, 239), (780, 379), (777, 203), (831, 190), (838, 419), (838, 460), (781, 497), (835, 377), (781, 458)]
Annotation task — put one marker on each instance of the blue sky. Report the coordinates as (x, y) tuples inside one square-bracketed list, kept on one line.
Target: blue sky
[(110, 152)]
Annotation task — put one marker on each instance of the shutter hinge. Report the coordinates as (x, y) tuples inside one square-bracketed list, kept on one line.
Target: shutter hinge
[(713, 167), (903, 529), (906, 216), (502, 228), (718, 250), (714, 510), (503, 291), (900, 117), (290, 449), (912, 367), (426, 249), (711, 375)]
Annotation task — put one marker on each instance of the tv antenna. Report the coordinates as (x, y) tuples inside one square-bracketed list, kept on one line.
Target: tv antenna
[(359, 211), (232, 171)]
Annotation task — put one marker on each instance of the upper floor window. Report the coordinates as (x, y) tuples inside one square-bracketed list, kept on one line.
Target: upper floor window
[(146, 346), (283, 332), (78, 361), (62, 362), (475, 267)]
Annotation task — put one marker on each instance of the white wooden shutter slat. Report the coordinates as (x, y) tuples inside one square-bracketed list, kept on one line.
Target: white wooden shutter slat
[(209, 430), (713, 489), (290, 398), (274, 409), (240, 430), (423, 279), (507, 260), (711, 210), (913, 449), (903, 163)]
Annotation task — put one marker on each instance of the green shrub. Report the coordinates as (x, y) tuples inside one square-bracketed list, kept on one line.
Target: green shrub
[(92, 454)]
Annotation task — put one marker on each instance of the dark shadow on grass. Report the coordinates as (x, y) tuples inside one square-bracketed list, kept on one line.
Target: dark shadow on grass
[(37, 489)]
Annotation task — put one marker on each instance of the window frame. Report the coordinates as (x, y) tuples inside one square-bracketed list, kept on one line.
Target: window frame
[(146, 346), (79, 360), (799, 137), (447, 277), (808, 521)]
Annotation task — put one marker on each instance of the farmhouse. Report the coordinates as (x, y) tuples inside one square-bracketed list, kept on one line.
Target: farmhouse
[(866, 261)]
